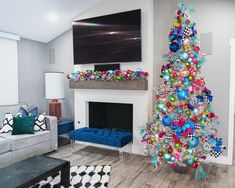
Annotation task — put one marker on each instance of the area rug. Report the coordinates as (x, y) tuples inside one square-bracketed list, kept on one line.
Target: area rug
[(81, 177)]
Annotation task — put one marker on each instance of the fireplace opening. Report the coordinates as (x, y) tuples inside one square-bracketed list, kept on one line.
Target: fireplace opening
[(117, 116)]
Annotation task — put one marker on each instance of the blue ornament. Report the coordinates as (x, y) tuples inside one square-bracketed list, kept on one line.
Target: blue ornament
[(179, 39), (217, 148), (182, 94), (199, 99), (191, 107), (193, 142), (209, 98), (174, 47), (166, 120)]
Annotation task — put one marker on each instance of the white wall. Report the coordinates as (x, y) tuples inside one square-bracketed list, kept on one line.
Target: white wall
[(216, 16), (8, 72), (141, 100), (33, 62), (63, 46)]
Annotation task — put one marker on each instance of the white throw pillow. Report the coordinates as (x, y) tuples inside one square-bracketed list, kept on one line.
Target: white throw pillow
[(40, 123), (7, 125)]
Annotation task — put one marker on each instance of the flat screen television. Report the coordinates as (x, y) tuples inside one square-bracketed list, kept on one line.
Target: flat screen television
[(114, 38)]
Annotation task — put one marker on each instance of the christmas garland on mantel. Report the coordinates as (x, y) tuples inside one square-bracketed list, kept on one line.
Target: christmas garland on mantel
[(108, 75)]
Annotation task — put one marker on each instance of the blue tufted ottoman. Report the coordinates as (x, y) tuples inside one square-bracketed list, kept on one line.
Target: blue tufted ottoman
[(108, 137)]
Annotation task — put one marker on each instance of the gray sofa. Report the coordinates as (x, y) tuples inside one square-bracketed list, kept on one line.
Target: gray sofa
[(15, 148)]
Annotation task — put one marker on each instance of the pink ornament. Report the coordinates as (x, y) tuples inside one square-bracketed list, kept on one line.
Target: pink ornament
[(186, 42), (195, 61), (190, 88), (183, 134), (177, 156)]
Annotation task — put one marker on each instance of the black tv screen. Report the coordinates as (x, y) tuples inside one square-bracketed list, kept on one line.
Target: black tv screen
[(112, 38)]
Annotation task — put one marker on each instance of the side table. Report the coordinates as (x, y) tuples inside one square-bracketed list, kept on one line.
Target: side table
[(64, 127)]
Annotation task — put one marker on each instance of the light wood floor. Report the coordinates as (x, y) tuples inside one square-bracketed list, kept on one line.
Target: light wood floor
[(135, 172)]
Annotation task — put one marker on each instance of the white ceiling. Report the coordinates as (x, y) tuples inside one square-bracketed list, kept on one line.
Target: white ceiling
[(29, 18)]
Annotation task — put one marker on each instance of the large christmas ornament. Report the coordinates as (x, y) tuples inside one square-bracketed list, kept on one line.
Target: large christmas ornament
[(166, 121), (174, 47), (182, 94), (183, 129)]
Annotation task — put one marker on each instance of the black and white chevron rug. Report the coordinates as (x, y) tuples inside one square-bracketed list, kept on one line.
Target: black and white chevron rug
[(81, 177)]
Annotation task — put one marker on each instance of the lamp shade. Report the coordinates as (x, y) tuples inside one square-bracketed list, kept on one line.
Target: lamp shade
[(54, 85)]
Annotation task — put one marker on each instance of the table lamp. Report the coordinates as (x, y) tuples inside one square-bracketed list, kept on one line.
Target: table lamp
[(54, 90)]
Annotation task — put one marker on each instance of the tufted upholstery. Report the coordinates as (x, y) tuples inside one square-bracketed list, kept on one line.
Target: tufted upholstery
[(107, 137)]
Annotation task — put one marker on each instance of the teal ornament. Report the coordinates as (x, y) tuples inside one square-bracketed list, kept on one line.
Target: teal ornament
[(167, 156), (182, 94), (161, 106), (190, 60), (154, 160), (190, 161), (201, 174), (219, 142), (186, 82), (174, 47), (166, 141), (195, 111), (198, 66), (190, 151), (193, 142), (179, 111), (166, 78), (166, 121), (172, 159), (184, 56)]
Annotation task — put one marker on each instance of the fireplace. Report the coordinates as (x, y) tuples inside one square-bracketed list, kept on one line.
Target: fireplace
[(117, 116)]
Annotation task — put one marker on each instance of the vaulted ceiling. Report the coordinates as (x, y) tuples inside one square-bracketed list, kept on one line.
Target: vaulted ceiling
[(40, 20)]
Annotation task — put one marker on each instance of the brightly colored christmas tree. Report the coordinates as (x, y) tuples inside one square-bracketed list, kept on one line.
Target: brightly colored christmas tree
[(183, 130)]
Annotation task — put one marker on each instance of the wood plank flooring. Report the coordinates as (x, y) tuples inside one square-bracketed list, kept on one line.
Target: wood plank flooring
[(136, 172)]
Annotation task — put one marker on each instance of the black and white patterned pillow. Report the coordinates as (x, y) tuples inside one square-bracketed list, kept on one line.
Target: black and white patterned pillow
[(7, 125), (40, 123)]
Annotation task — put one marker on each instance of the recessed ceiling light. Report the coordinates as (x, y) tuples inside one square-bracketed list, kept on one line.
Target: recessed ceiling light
[(52, 17)]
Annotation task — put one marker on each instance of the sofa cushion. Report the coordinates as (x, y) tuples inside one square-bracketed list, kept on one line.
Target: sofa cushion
[(5, 145), (26, 140), (107, 137)]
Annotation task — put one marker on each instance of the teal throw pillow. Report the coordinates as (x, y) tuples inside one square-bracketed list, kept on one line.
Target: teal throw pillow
[(23, 125)]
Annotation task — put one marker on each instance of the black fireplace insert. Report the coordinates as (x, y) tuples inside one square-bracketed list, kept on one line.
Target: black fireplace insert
[(116, 116)]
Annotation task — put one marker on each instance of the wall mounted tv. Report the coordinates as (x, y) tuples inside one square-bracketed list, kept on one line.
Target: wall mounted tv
[(114, 38)]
